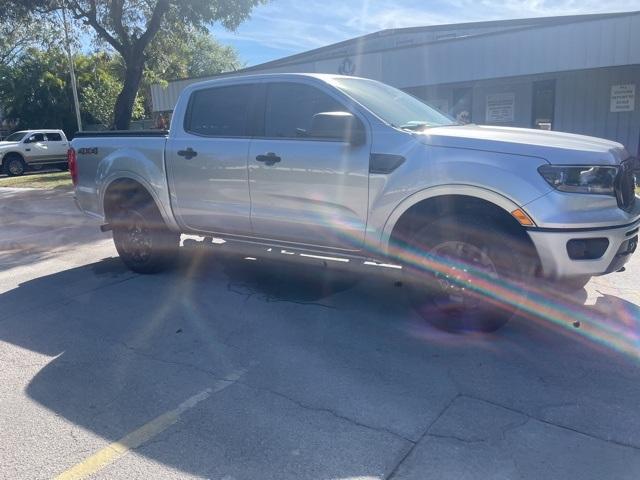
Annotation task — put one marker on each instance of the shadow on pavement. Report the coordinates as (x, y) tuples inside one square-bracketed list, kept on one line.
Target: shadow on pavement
[(128, 348)]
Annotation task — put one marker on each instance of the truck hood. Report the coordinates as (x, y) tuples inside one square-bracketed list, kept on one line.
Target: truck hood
[(8, 144), (555, 147)]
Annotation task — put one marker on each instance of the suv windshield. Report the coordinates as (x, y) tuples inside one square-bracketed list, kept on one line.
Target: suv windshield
[(397, 108), (15, 137)]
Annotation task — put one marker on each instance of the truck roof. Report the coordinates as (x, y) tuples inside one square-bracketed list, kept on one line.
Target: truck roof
[(262, 76), (42, 130)]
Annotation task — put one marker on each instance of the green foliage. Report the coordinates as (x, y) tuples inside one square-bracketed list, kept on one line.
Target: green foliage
[(130, 27), (99, 101), (34, 93), (192, 53), (17, 37), (153, 39), (99, 83)]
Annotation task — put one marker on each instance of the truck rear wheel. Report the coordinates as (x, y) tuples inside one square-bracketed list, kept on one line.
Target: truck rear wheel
[(14, 166), (462, 272), (142, 239)]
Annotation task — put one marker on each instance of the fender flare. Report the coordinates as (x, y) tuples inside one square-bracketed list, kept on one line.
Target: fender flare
[(128, 175), (505, 203), (11, 152)]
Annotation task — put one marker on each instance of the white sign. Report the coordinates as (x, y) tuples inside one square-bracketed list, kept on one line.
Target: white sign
[(623, 98), (500, 107)]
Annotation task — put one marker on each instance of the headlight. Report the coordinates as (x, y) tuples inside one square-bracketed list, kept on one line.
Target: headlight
[(586, 179)]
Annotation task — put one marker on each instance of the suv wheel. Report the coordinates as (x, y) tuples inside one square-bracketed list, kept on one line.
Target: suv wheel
[(461, 267), (14, 166), (142, 239)]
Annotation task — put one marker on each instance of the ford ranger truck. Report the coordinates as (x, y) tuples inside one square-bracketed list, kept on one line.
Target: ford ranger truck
[(350, 169), (33, 150)]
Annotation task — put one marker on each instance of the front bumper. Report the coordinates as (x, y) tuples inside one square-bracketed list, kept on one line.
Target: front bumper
[(551, 245)]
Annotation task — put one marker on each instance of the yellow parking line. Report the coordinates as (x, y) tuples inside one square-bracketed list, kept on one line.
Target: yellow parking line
[(114, 451)]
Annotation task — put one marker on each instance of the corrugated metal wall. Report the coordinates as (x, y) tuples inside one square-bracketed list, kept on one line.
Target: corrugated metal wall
[(582, 101), (585, 58), (407, 60)]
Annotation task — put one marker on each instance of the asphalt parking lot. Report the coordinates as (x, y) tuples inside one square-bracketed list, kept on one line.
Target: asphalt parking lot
[(236, 369)]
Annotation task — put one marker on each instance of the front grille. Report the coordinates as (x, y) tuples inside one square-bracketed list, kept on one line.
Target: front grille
[(626, 183)]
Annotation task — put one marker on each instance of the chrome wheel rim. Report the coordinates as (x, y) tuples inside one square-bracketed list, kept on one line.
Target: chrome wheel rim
[(15, 167), (463, 266)]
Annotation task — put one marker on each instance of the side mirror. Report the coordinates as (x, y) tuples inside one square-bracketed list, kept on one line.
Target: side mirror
[(342, 126), (30, 139)]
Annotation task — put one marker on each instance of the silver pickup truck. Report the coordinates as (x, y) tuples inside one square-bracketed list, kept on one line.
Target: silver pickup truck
[(352, 170)]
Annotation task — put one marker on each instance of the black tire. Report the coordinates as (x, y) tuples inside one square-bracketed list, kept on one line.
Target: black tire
[(14, 165), (142, 239), (460, 268)]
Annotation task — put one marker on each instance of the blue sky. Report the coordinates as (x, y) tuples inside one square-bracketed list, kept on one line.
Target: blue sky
[(285, 27)]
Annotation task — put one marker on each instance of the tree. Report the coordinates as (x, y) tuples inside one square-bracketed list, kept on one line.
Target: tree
[(185, 54), (16, 37), (99, 81), (129, 27), (34, 91)]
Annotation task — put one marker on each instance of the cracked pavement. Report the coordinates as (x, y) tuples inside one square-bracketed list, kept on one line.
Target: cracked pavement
[(343, 381)]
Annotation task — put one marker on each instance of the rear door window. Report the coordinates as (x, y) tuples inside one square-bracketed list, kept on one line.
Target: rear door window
[(54, 137), (220, 111)]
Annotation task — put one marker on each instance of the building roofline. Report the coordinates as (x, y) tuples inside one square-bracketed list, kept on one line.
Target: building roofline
[(523, 24)]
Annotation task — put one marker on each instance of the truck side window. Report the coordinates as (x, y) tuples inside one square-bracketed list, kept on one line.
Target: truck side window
[(290, 109), (220, 111), (36, 137), (54, 137)]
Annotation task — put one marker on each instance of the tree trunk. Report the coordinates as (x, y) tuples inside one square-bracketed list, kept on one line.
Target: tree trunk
[(124, 103)]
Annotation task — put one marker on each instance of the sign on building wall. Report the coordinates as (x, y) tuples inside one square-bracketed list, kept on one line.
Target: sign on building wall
[(500, 108), (623, 98), (347, 67)]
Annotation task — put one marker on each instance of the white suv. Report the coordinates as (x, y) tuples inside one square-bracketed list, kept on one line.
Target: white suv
[(33, 149)]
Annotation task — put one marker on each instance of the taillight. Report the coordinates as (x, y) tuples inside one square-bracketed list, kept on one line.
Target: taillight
[(73, 165)]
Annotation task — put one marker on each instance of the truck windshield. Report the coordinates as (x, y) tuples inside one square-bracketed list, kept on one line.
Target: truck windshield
[(15, 137), (397, 108)]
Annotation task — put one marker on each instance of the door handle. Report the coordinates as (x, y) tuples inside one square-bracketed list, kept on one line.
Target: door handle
[(269, 159), (189, 153)]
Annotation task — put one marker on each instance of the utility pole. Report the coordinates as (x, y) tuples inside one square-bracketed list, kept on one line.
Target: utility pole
[(72, 72)]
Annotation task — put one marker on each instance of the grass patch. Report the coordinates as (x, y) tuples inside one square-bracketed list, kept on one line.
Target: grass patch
[(46, 180)]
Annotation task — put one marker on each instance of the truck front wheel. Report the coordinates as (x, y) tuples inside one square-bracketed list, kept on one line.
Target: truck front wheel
[(142, 239), (14, 166), (467, 273)]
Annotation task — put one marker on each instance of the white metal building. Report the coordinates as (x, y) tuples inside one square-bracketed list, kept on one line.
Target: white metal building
[(574, 73)]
